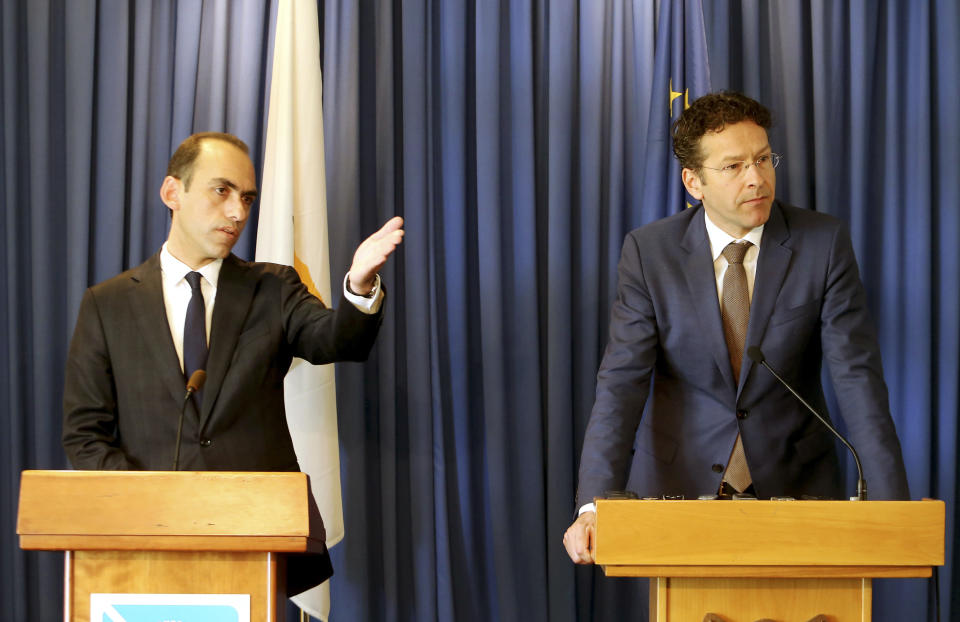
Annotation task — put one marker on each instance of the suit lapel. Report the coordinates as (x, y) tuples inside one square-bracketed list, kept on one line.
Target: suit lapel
[(772, 267), (234, 295), (699, 274), (148, 307)]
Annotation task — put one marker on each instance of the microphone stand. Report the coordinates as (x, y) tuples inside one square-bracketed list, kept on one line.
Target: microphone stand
[(195, 383), (757, 357)]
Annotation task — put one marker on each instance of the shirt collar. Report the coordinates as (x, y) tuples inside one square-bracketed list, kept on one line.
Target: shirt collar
[(174, 270), (720, 238)]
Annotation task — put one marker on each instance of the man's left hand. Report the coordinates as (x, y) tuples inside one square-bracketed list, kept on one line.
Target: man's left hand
[(372, 254)]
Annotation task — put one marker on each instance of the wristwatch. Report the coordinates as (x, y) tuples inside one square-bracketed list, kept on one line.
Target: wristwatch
[(371, 293)]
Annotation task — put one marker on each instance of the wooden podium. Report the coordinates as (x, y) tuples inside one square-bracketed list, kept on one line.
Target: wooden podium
[(747, 560), (127, 532)]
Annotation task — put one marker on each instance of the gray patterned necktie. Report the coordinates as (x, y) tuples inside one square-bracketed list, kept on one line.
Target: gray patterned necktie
[(735, 312)]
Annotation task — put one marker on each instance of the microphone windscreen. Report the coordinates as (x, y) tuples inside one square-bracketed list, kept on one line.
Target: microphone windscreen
[(196, 381), (755, 354)]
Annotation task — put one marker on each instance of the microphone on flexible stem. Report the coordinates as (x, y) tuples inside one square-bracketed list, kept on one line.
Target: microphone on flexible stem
[(195, 383), (757, 357)]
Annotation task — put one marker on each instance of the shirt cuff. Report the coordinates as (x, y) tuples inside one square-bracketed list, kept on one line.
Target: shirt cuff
[(587, 507), (366, 304)]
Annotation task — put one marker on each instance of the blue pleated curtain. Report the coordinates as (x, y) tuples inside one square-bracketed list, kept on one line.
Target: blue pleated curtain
[(95, 95), (513, 137), (866, 98)]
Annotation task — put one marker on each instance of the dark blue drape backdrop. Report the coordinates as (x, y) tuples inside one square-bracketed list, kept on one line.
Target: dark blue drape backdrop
[(866, 95), (515, 137), (95, 96)]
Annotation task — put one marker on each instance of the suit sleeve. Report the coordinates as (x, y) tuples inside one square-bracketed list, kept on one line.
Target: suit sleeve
[(852, 354), (321, 335), (90, 397), (623, 382)]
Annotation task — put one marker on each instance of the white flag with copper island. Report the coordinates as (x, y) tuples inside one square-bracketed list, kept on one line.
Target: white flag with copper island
[(292, 230)]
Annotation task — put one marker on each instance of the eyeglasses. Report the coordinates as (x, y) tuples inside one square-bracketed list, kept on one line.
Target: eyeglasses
[(764, 164)]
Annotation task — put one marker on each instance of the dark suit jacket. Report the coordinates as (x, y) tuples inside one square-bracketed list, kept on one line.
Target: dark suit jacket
[(124, 386), (667, 409)]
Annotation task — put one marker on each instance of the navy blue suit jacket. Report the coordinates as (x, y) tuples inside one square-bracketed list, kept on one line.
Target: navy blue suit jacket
[(666, 412)]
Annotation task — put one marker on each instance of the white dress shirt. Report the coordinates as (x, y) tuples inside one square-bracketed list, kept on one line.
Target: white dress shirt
[(177, 293), (719, 240)]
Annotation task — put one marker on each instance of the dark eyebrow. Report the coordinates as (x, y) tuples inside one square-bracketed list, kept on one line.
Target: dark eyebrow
[(739, 158)]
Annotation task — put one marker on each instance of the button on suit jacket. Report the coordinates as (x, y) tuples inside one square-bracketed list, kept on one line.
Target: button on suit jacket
[(665, 416)]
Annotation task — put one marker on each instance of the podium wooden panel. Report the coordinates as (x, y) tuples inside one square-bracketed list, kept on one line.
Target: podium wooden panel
[(169, 532), (784, 560)]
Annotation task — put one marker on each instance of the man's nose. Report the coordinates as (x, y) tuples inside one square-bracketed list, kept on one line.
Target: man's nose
[(236, 209), (753, 176)]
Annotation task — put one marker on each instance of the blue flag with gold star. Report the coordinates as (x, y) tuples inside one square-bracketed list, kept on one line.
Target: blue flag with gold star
[(681, 74)]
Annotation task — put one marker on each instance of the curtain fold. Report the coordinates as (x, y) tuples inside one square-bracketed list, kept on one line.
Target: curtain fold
[(505, 134), (872, 88), (515, 138), (96, 95)]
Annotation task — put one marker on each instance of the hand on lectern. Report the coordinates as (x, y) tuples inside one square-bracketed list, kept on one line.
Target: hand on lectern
[(580, 538)]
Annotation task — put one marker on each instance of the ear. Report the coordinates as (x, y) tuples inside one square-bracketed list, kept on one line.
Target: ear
[(170, 191), (692, 182)]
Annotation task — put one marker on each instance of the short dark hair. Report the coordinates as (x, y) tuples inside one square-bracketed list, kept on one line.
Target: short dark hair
[(712, 113), (182, 161)]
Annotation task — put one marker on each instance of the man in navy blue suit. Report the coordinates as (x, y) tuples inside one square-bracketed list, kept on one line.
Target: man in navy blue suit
[(678, 411)]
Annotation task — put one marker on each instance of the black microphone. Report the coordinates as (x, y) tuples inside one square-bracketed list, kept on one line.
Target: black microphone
[(195, 383), (757, 357)]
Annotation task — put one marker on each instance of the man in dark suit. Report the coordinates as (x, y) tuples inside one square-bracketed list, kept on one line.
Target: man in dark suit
[(128, 361), (680, 409)]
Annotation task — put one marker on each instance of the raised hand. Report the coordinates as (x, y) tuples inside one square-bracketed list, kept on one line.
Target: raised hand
[(372, 254)]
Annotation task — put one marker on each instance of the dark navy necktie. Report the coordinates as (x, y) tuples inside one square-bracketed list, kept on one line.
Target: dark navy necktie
[(195, 333)]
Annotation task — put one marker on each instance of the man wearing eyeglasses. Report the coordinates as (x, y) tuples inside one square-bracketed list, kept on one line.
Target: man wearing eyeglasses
[(680, 409)]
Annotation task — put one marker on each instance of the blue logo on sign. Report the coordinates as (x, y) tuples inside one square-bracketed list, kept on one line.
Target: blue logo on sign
[(175, 613)]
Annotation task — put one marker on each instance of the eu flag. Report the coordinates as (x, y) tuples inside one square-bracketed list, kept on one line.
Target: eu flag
[(681, 74)]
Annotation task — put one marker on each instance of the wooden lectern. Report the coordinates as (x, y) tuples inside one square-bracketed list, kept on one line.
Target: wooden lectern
[(747, 560), (135, 532)]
